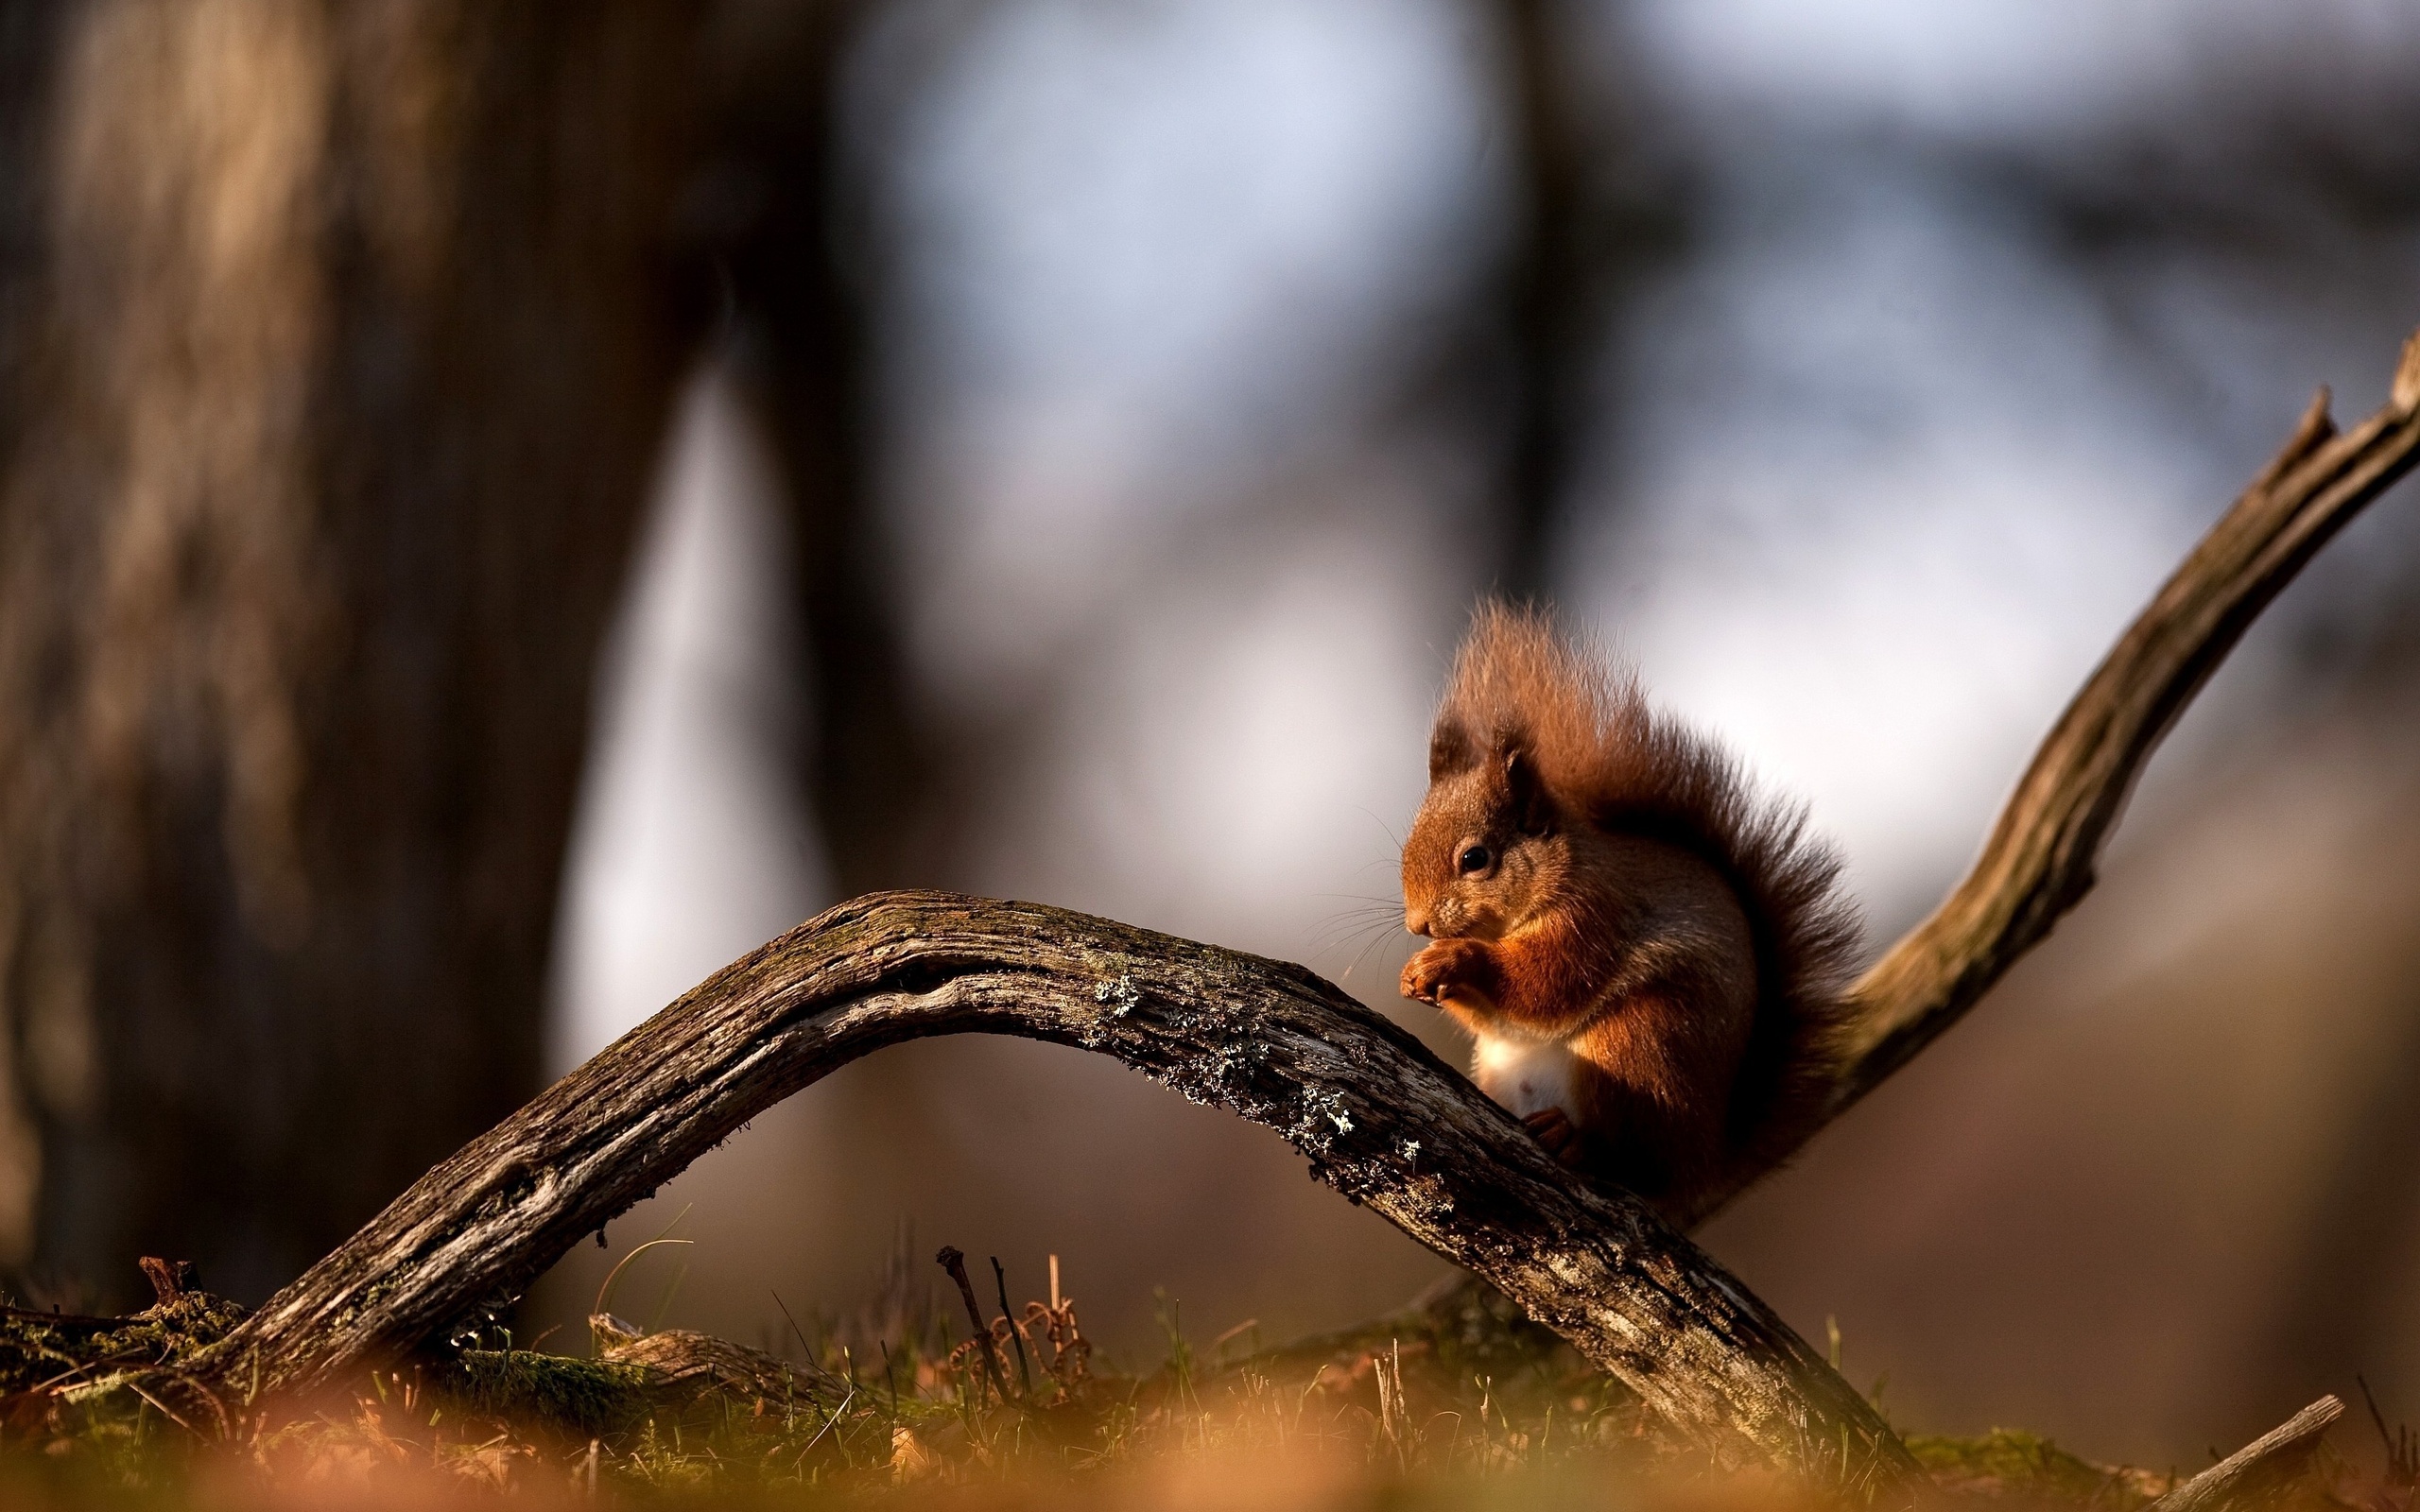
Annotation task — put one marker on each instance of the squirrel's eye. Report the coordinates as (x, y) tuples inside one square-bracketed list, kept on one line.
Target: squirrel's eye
[(1474, 858)]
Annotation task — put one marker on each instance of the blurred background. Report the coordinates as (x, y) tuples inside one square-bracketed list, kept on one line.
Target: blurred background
[(504, 509)]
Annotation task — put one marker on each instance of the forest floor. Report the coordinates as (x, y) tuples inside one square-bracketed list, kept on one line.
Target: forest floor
[(1458, 1402)]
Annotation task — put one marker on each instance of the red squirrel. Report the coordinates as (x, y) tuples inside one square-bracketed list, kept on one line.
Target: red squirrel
[(1650, 956)]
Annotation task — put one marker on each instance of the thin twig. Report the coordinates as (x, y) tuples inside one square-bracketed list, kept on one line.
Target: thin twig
[(1017, 1336), (163, 1409), (953, 1259)]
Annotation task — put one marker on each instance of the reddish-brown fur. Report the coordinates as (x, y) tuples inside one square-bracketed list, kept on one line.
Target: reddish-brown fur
[(1649, 955)]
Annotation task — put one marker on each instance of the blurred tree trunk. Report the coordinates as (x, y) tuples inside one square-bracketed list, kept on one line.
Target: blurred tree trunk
[(800, 251), (1549, 287), (338, 345), (1595, 216)]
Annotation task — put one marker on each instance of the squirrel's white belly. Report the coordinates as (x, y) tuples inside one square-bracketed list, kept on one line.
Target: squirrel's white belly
[(1526, 1076)]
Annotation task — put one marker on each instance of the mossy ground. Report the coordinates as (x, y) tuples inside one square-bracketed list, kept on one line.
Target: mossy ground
[(48, 1350), (1458, 1402)]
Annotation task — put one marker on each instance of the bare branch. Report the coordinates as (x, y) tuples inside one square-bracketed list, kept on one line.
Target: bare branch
[(2039, 861), (1382, 1119), (2256, 1473)]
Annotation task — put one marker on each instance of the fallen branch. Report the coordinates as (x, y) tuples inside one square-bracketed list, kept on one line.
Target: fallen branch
[(2259, 1471), (1380, 1117), (684, 1366)]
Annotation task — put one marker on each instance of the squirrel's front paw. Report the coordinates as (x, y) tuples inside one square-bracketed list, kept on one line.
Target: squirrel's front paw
[(1451, 969)]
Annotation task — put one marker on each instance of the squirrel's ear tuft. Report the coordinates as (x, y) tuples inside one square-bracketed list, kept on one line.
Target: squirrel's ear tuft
[(1531, 810), (1449, 750)]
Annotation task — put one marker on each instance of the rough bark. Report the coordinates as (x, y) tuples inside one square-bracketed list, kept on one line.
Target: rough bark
[(339, 351), (1380, 1118)]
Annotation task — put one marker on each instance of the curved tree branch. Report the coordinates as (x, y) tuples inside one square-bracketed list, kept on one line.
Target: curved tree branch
[(1381, 1118)]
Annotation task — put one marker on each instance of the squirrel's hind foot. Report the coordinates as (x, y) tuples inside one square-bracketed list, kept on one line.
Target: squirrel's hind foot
[(1555, 1130)]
